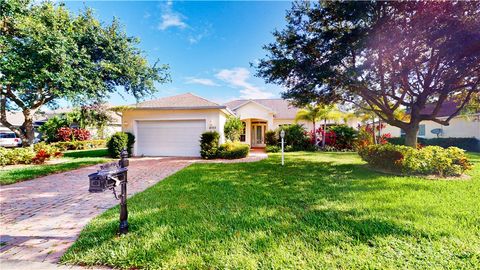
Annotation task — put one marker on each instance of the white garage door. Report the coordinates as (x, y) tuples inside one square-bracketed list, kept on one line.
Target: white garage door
[(169, 138)]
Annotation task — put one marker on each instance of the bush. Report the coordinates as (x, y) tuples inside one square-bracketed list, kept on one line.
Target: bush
[(79, 145), (424, 161), (233, 128), (467, 144), (296, 138), (271, 138), (67, 134), (50, 127), (16, 156), (233, 150), (345, 137), (130, 142), (272, 148), (117, 143), (49, 149), (209, 144)]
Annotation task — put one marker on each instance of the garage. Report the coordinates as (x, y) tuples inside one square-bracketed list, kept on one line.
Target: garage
[(169, 138)]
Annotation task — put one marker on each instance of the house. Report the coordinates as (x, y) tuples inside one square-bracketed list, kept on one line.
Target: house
[(461, 126), (16, 118), (172, 126)]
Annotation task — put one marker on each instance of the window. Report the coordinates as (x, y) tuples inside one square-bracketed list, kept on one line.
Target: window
[(7, 135), (421, 131), (242, 135)]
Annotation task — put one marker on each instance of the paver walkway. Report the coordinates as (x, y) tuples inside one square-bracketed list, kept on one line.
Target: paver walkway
[(40, 219)]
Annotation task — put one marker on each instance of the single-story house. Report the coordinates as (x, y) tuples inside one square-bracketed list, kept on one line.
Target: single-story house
[(16, 118), (171, 126), (461, 126)]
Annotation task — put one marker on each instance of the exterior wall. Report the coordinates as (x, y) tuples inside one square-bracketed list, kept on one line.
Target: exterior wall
[(222, 118), (463, 127), (213, 119), (255, 111)]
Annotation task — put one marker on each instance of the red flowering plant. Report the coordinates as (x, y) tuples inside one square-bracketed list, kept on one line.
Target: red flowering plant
[(81, 134), (65, 134), (41, 156)]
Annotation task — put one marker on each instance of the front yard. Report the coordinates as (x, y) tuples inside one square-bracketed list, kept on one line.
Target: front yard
[(71, 160), (322, 210)]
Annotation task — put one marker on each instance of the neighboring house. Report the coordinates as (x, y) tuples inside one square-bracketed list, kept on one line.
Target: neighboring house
[(461, 126), (16, 118), (172, 126)]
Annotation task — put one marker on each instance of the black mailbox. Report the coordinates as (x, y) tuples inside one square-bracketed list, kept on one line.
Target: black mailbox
[(110, 176), (107, 177)]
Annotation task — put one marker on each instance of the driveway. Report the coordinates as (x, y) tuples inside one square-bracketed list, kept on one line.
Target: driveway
[(41, 218)]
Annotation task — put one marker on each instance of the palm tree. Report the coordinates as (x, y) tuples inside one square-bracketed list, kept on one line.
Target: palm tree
[(314, 113)]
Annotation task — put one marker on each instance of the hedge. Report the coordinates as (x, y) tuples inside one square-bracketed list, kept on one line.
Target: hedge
[(467, 144), (429, 160), (209, 144), (233, 150), (119, 141), (79, 145)]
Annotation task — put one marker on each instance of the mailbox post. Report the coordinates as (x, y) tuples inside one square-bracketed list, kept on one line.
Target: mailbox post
[(109, 177), (282, 135)]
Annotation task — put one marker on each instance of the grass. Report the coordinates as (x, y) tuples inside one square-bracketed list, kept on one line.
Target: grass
[(73, 160), (320, 211)]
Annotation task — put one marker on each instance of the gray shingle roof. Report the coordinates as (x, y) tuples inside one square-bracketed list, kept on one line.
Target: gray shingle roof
[(183, 101), (281, 107)]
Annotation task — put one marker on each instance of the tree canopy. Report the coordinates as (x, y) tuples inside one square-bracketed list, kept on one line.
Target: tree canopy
[(48, 54), (380, 56)]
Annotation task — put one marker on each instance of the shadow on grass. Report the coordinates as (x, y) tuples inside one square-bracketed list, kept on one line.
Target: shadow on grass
[(213, 206)]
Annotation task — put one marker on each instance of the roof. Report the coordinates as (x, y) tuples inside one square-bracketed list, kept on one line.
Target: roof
[(183, 101), (282, 108), (448, 108)]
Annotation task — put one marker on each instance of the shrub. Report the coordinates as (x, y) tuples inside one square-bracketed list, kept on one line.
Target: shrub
[(467, 144), (272, 148), (79, 145), (66, 134), (424, 161), (233, 128), (130, 142), (233, 150), (117, 143), (209, 144), (345, 137), (40, 157), (271, 138), (296, 138), (16, 156), (49, 149), (50, 127)]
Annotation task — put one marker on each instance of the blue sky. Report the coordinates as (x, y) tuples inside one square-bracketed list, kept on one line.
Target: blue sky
[(208, 45)]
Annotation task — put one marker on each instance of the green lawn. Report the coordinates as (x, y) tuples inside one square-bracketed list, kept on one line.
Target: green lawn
[(320, 211), (73, 160)]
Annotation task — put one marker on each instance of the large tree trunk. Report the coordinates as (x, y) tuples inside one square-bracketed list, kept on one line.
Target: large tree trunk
[(411, 136), (28, 128)]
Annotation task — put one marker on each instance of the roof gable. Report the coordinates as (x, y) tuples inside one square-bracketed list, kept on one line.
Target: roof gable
[(254, 103), (281, 107)]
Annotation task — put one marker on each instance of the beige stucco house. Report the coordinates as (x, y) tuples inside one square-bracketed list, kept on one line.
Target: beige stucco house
[(172, 126)]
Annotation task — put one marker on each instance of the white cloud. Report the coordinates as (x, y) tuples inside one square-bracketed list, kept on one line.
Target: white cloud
[(170, 18), (201, 81), (237, 78)]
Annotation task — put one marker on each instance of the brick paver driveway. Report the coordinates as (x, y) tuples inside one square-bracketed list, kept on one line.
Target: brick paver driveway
[(41, 218)]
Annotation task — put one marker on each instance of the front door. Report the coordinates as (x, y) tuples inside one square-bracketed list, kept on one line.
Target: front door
[(258, 135)]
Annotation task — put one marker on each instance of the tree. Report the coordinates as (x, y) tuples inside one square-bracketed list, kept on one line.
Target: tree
[(95, 115), (381, 56), (233, 128), (48, 54)]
